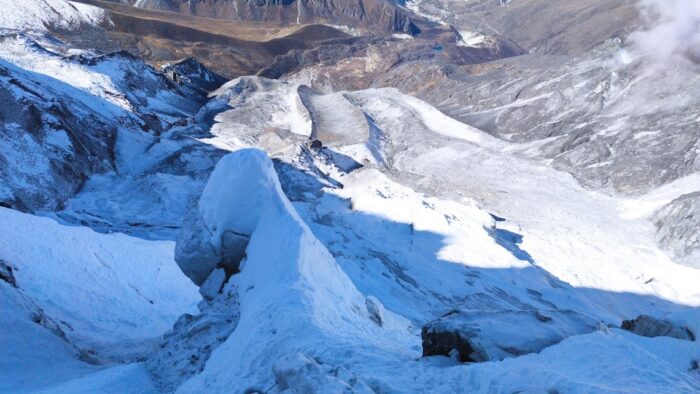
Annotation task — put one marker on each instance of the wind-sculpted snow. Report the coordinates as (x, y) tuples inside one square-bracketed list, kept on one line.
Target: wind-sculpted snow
[(293, 295), (123, 289)]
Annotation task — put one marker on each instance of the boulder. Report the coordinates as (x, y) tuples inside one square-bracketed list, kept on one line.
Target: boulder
[(374, 308), (476, 336), (297, 373), (212, 286), (194, 252), (651, 327), (217, 229)]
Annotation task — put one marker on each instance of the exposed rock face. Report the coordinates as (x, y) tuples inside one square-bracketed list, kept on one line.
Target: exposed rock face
[(437, 342), (677, 227), (648, 326), (377, 14), (6, 273), (190, 71), (476, 336), (47, 149), (185, 349), (374, 308), (555, 26), (597, 117)]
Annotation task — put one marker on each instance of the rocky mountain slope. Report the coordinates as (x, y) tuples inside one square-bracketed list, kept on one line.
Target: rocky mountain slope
[(380, 212), (373, 14)]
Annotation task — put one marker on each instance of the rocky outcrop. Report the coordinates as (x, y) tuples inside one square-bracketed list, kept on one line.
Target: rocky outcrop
[(54, 136), (198, 255), (563, 26), (606, 122), (677, 225), (476, 336), (183, 352), (651, 327), (7, 274), (47, 150), (191, 72)]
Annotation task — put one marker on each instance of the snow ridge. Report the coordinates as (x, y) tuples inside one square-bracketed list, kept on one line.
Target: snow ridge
[(289, 283)]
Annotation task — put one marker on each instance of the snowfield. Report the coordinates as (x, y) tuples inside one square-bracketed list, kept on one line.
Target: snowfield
[(270, 238), (109, 293), (36, 15)]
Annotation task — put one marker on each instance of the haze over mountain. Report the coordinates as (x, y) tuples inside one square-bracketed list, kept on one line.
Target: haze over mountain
[(349, 196)]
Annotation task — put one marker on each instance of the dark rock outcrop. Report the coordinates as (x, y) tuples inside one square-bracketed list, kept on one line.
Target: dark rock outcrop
[(191, 72), (476, 336), (651, 327), (184, 350), (7, 274), (196, 255)]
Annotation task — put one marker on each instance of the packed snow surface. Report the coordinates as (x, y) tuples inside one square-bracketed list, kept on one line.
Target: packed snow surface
[(106, 296), (121, 288)]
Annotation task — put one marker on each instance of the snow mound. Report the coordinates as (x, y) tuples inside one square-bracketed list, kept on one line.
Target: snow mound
[(294, 297)]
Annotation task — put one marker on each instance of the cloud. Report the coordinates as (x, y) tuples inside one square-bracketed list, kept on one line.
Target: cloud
[(672, 35)]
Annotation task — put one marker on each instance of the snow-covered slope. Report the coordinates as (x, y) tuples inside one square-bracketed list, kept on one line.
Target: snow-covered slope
[(421, 254), (38, 15), (78, 296), (120, 287), (67, 117), (343, 242), (292, 288)]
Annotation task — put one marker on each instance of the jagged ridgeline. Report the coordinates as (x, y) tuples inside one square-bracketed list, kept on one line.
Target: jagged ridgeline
[(381, 15)]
